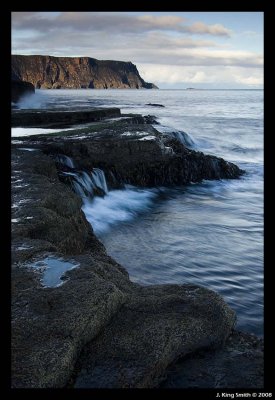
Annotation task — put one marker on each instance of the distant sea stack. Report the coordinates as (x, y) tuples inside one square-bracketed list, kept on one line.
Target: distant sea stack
[(48, 72)]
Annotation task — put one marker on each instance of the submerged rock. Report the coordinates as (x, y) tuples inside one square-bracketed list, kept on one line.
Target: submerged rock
[(154, 105)]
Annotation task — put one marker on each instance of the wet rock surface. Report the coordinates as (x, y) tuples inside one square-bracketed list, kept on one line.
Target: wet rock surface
[(50, 325), (154, 327), (60, 119), (98, 329), (238, 364), (132, 151)]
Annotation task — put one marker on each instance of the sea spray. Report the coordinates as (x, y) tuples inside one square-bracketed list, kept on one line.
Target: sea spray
[(35, 100), (117, 206)]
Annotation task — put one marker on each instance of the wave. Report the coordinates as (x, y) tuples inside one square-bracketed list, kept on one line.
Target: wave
[(244, 149), (117, 206), (185, 138)]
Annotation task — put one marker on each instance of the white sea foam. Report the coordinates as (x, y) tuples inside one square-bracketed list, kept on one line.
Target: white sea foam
[(27, 149), (136, 133), (17, 141), (150, 137), (19, 132), (24, 247), (117, 206)]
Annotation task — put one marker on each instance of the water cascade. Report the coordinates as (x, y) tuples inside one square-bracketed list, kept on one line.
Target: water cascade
[(115, 207), (85, 184)]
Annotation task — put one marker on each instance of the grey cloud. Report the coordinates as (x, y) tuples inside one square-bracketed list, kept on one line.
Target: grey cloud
[(119, 36), (112, 22), (200, 27), (153, 47)]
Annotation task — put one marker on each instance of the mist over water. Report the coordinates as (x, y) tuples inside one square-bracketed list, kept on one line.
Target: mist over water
[(211, 233)]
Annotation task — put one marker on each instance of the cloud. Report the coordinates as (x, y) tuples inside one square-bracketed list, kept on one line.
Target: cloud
[(249, 80), (250, 33), (161, 21), (152, 47), (168, 47), (200, 27), (111, 22), (171, 74)]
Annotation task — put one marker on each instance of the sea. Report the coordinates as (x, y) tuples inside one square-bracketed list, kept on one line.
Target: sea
[(209, 233)]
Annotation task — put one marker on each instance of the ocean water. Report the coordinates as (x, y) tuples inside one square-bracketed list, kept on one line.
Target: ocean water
[(211, 233)]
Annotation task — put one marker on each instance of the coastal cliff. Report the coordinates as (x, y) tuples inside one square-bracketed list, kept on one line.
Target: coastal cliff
[(48, 72)]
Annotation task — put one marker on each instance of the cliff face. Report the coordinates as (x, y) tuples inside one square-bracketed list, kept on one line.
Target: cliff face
[(49, 72)]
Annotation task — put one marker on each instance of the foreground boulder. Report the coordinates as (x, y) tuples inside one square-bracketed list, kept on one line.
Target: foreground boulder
[(238, 364), (156, 326)]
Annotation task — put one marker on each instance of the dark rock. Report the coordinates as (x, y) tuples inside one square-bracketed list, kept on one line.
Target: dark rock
[(50, 325), (239, 364), (61, 119), (47, 219), (48, 72), (128, 334), (135, 153), (20, 89), (154, 105), (155, 326)]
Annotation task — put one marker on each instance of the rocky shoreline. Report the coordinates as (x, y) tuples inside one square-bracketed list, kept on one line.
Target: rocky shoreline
[(97, 329)]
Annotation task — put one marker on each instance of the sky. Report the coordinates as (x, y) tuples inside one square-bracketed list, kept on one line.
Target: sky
[(174, 50)]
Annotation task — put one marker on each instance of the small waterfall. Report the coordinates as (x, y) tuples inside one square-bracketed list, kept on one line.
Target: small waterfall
[(84, 184), (99, 180), (62, 159)]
